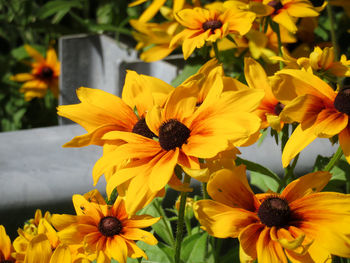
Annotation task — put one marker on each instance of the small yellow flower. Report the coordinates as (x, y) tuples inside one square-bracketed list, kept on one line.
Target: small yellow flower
[(203, 25), (43, 77), (300, 224), (106, 231)]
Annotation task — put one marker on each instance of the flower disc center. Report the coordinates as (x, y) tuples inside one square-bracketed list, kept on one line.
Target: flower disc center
[(278, 108), (141, 128), (211, 24), (46, 72), (172, 134), (274, 211), (342, 101), (110, 226)]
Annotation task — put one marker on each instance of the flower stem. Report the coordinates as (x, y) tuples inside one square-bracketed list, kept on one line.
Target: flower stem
[(336, 157), (216, 50), (180, 221), (333, 37), (204, 191)]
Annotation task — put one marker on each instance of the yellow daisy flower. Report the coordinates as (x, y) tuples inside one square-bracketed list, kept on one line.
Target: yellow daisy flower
[(300, 224), (321, 111), (286, 11), (5, 246), (108, 231), (184, 132), (44, 75), (203, 25)]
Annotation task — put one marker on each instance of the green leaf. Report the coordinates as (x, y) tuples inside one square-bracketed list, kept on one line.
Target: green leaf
[(163, 227), (53, 7), (258, 168), (193, 249), (188, 71), (158, 253), (263, 181)]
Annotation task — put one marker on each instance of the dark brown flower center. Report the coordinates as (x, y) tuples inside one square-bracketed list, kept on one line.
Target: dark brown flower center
[(212, 24), (172, 134), (342, 101), (141, 128), (274, 211), (6, 261), (46, 72), (110, 226), (278, 108), (276, 4)]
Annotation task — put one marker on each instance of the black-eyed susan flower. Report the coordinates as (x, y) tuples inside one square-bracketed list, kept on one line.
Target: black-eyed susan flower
[(43, 76), (301, 224), (319, 110), (202, 25), (38, 242), (5, 247), (105, 231), (185, 131)]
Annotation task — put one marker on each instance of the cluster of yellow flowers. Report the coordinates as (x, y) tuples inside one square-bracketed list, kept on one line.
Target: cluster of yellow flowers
[(157, 135)]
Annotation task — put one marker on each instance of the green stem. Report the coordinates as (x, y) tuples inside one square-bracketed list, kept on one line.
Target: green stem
[(180, 221), (216, 50), (204, 191), (158, 207), (333, 37), (336, 157)]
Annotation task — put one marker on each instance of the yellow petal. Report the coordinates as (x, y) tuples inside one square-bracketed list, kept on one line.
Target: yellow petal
[(51, 57), (5, 243), (284, 19), (156, 53), (297, 142), (22, 77), (255, 74), (302, 9), (117, 248), (305, 185), (344, 141), (39, 250), (220, 220), (329, 123), (34, 53), (231, 188), (62, 221), (248, 239), (61, 254), (268, 250), (150, 12), (139, 234)]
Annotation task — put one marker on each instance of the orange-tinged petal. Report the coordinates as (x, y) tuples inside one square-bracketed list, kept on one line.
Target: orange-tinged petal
[(285, 239), (134, 251), (344, 141), (297, 142), (305, 185), (192, 18), (231, 188), (248, 239), (268, 250), (329, 123), (220, 220), (192, 40)]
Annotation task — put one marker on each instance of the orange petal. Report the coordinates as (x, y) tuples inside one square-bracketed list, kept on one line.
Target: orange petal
[(248, 239), (344, 141)]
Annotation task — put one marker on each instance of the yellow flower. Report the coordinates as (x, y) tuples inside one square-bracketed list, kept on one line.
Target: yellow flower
[(5, 246), (300, 224), (44, 74), (321, 111), (287, 10), (184, 132), (155, 38), (108, 231), (203, 25), (38, 242)]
